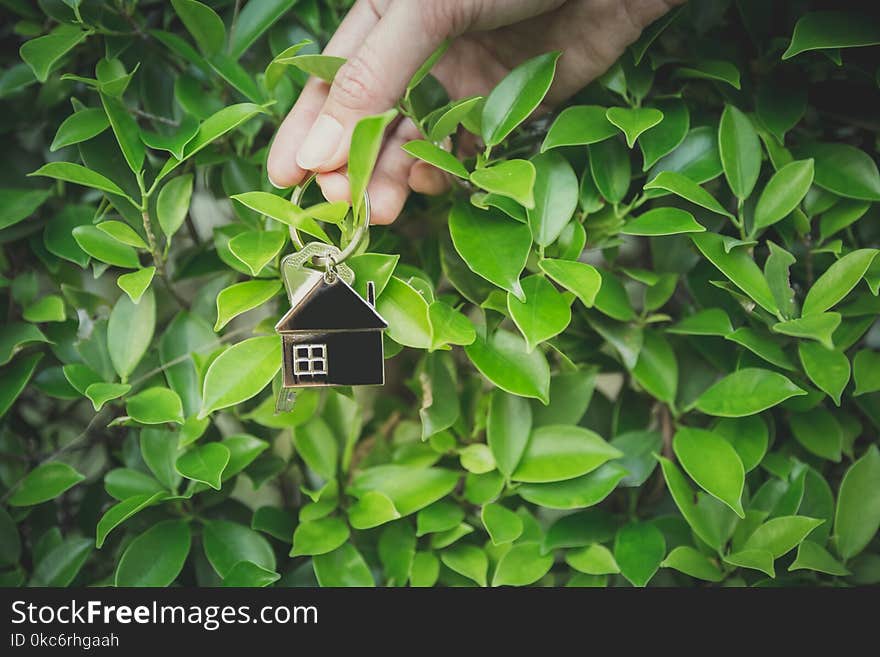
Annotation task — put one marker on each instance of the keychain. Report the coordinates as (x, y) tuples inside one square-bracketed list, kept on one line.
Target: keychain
[(331, 336)]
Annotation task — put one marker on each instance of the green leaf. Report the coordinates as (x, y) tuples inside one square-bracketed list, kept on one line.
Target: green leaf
[(155, 406), (610, 168), (440, 404), (406, 312), (713, 463), (857, 516), (749, 437), (130, 332), (253, 21), (700, 511), (578, 277), (844, 170), (559, 452), (211, 129), (319, 536), (819, 433), (80, 126), (711, 321), (593, 559), (45, 309), (818, 327), (472, 230), (516, 97), (324, 67), (99, 393), (761, 560), (284, 211), (19, 204), (43, 483), (696, 157), (127, 132), (246, 574), (740, 151), (812, 556), (241, 297), (761, 345), (502, 524), (438, 517), (397, 547), (317, 446), (175, 142), (203, 23), (204, 463), (682, 186), (467, 560), (61, 564), (119, 513), (504, 359), (371, 510), (521, 565), (746, 392), (693, 563), (776, 271), (156, 557), (544, 314), (227, 543), (633, 121), (580, 492), (449, 117), (866, 372), (785, 190), (42, 53), (366, 141), (639, 548), (257, 248), (409, 488), (105, 248), (508, 427), (136, 283), (122, 483), (449, 326), (841, 215), (819, 30), (159, 449), (172, 205), (739, 267), (240, 372), (436, 156), (780, 535), (513, 179), (555, 197), (76, 173), (344, 567), (838, 280), (578, 126), (656, 369), (711, 69), (664, 137), (663, 221), (477, 458)]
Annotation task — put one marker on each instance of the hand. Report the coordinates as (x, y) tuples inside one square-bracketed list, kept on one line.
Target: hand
[(385, 41)]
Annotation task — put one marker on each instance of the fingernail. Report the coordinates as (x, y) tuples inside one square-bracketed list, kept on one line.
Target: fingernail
[(320, 144), (275, 184)]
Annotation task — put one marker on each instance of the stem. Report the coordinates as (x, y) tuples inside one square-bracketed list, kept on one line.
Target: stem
[(154, 117)]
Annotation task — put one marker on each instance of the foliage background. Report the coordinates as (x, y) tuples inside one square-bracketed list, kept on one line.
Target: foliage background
[(723, 324)]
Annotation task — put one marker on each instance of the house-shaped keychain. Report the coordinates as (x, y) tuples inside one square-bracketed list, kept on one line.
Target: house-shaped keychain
[(331, 336)]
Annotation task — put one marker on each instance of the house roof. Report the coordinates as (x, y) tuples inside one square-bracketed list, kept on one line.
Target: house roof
[(317, 306)]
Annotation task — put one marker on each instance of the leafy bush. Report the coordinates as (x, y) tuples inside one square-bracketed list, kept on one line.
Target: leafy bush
[(637, 342)]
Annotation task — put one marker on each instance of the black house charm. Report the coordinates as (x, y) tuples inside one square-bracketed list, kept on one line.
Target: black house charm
[(331, 336)]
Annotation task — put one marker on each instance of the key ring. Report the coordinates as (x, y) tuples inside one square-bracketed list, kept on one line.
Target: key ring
[(359, 233)]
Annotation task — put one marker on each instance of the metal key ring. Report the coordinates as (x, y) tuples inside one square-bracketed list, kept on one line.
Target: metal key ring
[(354, 242)]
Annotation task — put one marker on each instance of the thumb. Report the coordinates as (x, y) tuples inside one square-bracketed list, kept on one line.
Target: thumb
[(371, 81)]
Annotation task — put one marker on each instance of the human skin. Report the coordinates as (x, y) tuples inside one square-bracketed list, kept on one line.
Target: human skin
[(385, 41)]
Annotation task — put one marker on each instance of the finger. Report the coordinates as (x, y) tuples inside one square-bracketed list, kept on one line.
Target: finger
[(281, 166), (426, 179), (370, 82), (389, 185)]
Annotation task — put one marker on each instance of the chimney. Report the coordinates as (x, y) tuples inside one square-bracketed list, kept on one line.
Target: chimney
[(371, 293)]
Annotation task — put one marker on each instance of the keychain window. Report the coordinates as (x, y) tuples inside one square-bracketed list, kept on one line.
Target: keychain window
[(310, 359)]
